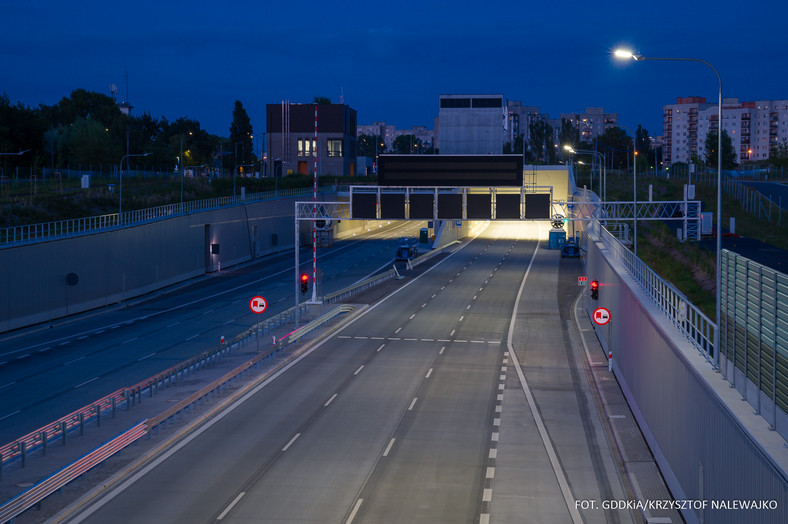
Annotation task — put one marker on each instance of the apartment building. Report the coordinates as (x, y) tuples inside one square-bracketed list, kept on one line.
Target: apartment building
[(755, 128), (592, 123)]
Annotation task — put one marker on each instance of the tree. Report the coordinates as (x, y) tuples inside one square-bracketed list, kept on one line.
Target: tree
[(778, 156), (321, 100), (569, 134), (366, 145), (407, 144), (241, 136), (643, 147), (88, 142), (617, 141), (728, 154), (541, 142)]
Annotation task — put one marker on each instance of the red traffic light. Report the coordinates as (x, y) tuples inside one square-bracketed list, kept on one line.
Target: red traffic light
[(304, 282), (594, 289), (304, 277)]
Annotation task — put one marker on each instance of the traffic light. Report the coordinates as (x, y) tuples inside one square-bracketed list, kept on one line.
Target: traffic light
[(304, 282), (595, 289)]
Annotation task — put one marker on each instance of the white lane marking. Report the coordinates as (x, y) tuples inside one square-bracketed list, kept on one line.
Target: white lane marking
[(231, 506), (498, 408), (424, 305), (330, 400), (617, 416), (195, 336), (487, 496), (477, 341), (353, 513), (495, 436), (474, 296), (496, 422), (429, 373), (388, 448), (490, 473), (377, 338), (452, 332), (583, 339), (358, 370), (398, 330), (462, 317), (102, 331), (11, 414), (411, 317), (428, 340), (344, 336), (291, 441), (171, 325), (569, 498), (443, 287), (9, 384), (410, 339), (413, 403), (362, 338), (503, 369), (481, 288), (209, 311), (64, 343), (443, 340), (129, 340), (229, 322), (493, 453), (433, 296), (75, 360), (502, 377), (86, 382), (460, 340), (381, 347), (394, 338), (468, 307), (501, 386), (20, 357), (82, 337), (146, 356), (500, 397), (441, 351), (42, 350)]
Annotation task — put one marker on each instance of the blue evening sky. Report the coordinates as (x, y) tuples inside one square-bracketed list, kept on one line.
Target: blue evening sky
[(391, 59)]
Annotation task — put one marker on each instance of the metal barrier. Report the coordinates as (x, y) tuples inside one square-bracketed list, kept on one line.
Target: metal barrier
[(690, 321), (27, 499), (426, 256), (13, 236), (359, 286)]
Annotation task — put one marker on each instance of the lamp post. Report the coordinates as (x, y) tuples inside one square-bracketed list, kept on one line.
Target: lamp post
[(180, 161), (603, 179), (622, 53), (120, 183)]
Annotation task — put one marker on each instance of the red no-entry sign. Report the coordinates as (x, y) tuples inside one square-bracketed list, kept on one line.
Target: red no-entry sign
[(258, 304), (601, 316)]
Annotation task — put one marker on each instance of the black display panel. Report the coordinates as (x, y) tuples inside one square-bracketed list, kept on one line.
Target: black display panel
[(421, 205), (450, 206), (507, 206), (365, 205), (537, 205), (450, 170), (478, 206), (392, 206)]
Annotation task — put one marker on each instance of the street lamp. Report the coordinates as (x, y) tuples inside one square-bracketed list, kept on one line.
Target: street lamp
[(623, 53), (120, 183), (602, 185)]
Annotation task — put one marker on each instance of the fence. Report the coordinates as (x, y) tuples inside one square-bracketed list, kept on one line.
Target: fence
[(751, 200), (12, 236), (691, 322), (754, 336)]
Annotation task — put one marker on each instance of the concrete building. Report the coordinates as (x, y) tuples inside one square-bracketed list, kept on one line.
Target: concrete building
[(755, 128), (381, 129), (291, 139), (592, 123), (472, 124)]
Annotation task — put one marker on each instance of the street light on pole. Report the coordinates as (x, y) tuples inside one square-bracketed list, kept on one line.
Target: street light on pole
[(623, 53), (120, 183), (603, 179)]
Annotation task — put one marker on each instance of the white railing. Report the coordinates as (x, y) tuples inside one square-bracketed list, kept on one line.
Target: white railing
[(14, 236)]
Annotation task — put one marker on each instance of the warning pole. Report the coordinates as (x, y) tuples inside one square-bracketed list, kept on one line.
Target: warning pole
[(314, 222)]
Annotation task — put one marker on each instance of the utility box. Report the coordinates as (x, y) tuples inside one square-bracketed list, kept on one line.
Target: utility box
[(85, 181), (557, 239), (706, 219), (424, 235)]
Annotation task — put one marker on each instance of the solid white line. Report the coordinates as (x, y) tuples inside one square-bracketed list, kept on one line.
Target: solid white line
[(330, 400), (11, 414), (231, 506), (291, 441), (72, 361), (569, 498), (195, 336), (86, 382), (358, 370), (353, 513), (413, 404), (388, 448), (429, 373)]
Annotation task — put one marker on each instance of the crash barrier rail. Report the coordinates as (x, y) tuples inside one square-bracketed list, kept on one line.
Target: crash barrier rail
[(426, 256), (128, 397), (696, 327), (359, 286), (38, 492), (43, 489), (17, 235)]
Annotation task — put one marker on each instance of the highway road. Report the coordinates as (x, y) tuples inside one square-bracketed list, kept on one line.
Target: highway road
[(48, 372), (456, 398)]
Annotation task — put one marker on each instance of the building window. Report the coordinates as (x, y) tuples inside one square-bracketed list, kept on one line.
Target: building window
[(306, 147), (334, 147)]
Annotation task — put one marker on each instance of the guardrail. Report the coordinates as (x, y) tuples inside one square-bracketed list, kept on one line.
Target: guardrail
[(43, 489), (128, 397), (27, 499), (359, 286), (696, 327), (426, 256), (17, 235)]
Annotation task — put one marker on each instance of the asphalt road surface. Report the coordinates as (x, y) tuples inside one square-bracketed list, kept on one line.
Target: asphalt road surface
[(47, 372), (459, 397)]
